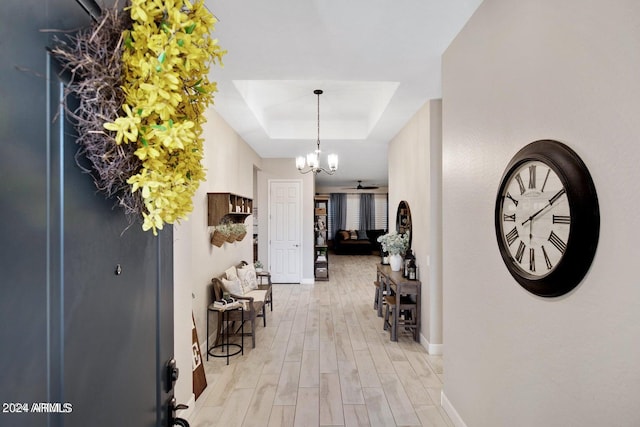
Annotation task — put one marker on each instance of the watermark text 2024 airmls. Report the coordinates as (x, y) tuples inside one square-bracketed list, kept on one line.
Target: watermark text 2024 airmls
[(36, 407)]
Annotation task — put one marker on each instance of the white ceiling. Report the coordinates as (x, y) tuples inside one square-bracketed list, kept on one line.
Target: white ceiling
[(377, 61)]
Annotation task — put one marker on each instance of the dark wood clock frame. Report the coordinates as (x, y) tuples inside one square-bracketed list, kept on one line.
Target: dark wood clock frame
[(585, 218)]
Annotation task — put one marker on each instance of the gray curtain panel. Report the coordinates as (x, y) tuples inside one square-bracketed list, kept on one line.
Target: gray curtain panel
[(338, 211), (367, 211)]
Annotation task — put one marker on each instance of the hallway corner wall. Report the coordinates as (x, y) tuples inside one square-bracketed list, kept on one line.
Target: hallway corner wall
[(413, 178)]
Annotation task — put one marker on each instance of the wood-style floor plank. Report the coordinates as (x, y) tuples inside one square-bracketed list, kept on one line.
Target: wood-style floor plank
[(324, 359)]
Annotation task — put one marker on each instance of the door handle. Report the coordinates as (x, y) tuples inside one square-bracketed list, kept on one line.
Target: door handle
[(173, 419)]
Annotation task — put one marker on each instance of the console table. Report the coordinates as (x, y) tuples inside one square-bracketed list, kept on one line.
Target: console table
[(394, 284)]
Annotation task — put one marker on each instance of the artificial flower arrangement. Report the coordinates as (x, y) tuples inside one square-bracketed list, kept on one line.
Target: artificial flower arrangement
[(394, 243), (141, 79)]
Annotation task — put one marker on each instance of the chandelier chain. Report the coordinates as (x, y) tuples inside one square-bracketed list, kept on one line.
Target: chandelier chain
[(318, 119)]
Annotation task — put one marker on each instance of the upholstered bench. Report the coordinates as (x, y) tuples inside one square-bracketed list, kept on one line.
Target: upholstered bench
[(240, 282)]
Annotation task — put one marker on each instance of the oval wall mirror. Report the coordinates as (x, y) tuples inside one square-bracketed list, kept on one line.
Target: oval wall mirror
[(403, 220)]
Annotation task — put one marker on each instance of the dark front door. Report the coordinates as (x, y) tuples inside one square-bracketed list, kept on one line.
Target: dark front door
[(86, 303)]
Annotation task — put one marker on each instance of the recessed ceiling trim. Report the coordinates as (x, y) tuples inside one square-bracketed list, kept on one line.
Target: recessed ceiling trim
[(350, 110)]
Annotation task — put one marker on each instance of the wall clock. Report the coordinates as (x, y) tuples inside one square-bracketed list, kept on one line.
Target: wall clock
[(547, 218)]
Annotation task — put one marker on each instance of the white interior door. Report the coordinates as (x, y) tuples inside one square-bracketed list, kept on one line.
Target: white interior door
[(285, 231)]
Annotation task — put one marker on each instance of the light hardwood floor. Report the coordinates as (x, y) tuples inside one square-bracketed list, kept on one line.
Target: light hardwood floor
[(324, 360)]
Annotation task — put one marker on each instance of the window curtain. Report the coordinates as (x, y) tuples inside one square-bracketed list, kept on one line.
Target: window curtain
[(367, 211), (338, 203)]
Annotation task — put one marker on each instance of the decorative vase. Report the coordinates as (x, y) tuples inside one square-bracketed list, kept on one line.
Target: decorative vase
[(395, 261)]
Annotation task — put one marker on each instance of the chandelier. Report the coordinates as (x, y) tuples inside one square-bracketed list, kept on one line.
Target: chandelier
[(312, 161)]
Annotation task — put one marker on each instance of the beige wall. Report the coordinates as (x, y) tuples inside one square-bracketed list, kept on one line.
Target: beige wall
[(412, 178), (230, 168), (521, 71)]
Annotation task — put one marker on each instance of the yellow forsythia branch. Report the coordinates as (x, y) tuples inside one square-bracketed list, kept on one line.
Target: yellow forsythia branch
[(166, 60)]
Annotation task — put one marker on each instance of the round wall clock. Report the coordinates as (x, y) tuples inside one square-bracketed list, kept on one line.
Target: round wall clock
[(547, 218)]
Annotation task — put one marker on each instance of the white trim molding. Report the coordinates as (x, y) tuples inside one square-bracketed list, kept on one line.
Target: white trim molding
[(432, 349), (451, 411)]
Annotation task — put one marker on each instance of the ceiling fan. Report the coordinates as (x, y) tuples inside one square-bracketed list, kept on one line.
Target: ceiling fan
[(362, 187)]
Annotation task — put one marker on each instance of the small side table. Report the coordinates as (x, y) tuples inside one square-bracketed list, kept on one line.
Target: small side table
[(261, 275), (225, 330)]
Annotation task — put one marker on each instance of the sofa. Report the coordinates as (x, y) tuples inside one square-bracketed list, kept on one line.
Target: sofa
[(356, 242)]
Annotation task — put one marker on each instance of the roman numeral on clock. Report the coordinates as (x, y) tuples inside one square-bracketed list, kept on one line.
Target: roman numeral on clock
[(561, 219), (557, 242), (556, 196), (544, 184), (512, 236), (510, 197), (546, 258), (520, 252), (532, 176), (532, 259), (511, 217), (520, 183)]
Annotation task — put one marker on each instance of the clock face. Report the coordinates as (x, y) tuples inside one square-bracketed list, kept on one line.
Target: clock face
[(547, 218), (535, 218)]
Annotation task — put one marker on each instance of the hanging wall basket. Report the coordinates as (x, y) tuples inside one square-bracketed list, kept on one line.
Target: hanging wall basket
[(217, 238)]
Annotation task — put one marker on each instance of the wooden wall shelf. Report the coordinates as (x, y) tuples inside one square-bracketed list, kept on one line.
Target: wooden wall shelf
[(228, 207)]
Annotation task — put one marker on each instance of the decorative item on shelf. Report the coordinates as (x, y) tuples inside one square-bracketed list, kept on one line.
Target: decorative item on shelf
[(413, 270), (258, 266), (312, 162), (408, 258), (395, 261), (384, 257), (321, 255), (395, 244)]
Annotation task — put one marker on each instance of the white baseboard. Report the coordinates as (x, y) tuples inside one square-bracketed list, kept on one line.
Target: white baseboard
[(307, 281), (432, 349), (451, 411), (435, 349)]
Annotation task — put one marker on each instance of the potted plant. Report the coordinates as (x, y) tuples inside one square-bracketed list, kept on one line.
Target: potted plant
[(239, 230), (258, 266), (220, 234), (395, 244), (226, 231)]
